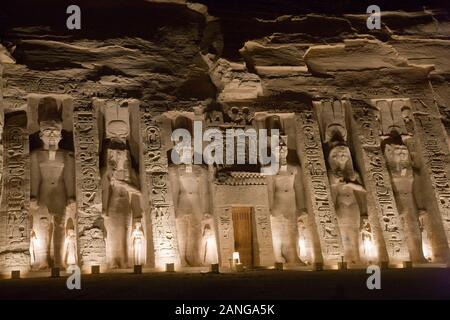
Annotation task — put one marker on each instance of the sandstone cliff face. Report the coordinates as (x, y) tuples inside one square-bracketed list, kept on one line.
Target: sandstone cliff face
[(234, 59), (149, 51), (167, 51)]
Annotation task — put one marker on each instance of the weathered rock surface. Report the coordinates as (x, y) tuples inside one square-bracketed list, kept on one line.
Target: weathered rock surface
[(311, 69)]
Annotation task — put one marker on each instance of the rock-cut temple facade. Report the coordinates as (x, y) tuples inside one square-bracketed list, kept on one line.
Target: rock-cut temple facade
[(87, 116)]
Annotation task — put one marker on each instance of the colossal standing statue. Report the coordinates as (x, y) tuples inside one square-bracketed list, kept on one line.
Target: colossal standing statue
[(286, 202), (349, 199), (121, 204), (402, 176), (122, 200), (52, 188), (190, 188)]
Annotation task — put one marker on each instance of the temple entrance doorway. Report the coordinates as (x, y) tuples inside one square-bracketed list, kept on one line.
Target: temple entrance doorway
[(243, 235)]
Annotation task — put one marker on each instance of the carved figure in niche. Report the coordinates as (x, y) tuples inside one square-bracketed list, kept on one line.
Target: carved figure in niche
[(33, 241), (303, 242), (368, 245), (15, 229), (235, 116), (190, 189), (424, 223), (349, 197), (52, 187), (138, 244), (240, 117), (121, 202), (208, 246), (286, 199), (247, 116), (214, 115), (401, 170), (70, 248)]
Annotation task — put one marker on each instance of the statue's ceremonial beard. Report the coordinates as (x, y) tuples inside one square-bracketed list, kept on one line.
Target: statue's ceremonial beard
[(52, 151)]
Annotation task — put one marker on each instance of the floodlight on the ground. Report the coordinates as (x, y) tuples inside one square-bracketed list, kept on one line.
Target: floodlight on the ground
[(214, 268), (137, 269), (170, 267), (95, 269), (15, 274), (54, 273), (279, 266)]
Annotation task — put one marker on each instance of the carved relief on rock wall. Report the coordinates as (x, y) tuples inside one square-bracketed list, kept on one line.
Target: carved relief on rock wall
[(122, 204), (285, 189), (90, 225), (319, 199), (348, 192), (52, 178), (383, 215), (162, 213), (235, 125), (399, 149), (430, 151), (218, 115), (190, 187), (14, 218)]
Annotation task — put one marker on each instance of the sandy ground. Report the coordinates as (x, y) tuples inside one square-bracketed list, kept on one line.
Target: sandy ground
[(266, 284)]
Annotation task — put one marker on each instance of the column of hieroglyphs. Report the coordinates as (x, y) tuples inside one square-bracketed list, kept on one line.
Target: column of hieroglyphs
[(155, 163), (91, 240), (14, 219), (317, 187), (380, 197)]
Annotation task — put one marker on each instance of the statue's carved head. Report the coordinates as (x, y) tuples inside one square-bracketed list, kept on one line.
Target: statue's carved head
[(397, 157), (340, 160), (406, 112), (50, 134), (119, 162)]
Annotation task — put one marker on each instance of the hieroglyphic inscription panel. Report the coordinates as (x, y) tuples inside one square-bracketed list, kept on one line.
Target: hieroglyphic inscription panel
[(436, 163), (225, 234), (162, 212), (91, 240), (264, 236), (14, 219), (376, 178), (320, 204)]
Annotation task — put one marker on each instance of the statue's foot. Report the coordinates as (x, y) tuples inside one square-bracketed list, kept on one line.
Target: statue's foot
[(301, 263), (295, 260), (280, 260), (421, 260), (184, 263), (44, 267)]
